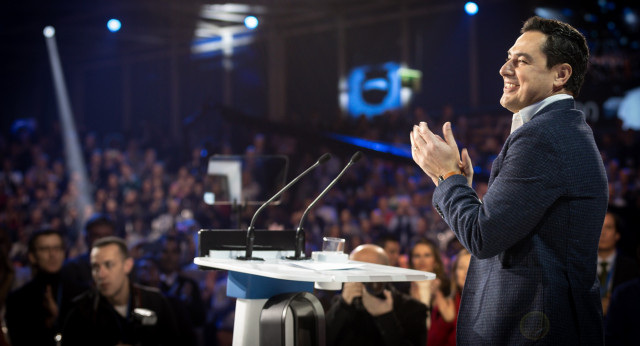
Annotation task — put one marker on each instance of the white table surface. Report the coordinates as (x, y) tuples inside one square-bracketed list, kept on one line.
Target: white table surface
[(316, 271)]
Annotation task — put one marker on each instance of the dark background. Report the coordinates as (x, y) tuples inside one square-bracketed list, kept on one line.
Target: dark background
[(146, 75)]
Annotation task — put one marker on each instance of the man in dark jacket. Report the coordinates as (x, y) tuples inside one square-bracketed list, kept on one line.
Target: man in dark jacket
[(534, 235), (36, 310), (117, 311), (377, 315), (78, 269)]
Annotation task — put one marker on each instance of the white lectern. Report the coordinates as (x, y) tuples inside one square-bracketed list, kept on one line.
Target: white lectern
[(254, 282)]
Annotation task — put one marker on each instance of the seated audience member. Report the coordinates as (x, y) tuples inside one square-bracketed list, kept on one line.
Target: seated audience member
[(147, 273), (425, 256), (403, 223), (445, 308), (36, 310), (7, 274), (78, 269), (118, 311), (614, 267), (391, 246), (623, 319), (358, 317), (174, 284), (221, 314)]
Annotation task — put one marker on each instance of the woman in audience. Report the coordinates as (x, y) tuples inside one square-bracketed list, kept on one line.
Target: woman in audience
[(444, 314), (425, 256)]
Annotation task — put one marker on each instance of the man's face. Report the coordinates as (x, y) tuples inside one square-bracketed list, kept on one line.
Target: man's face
[(526, 77), (147, 273), (392, 248), (170, 257), (609, 237), (48, 255), (110, 269)]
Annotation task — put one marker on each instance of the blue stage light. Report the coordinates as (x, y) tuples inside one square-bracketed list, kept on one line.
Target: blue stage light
[(114, 25), (471, 8), (251, 22), (630, 17)]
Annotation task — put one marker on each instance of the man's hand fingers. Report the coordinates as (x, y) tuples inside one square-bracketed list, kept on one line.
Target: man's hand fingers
[(466, 166), (426, 134), (448, 136)]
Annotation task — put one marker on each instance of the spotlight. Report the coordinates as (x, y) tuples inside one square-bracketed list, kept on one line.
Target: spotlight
[(251, 22), (471, 8), (114, 25), (630, 17), (48, 31)]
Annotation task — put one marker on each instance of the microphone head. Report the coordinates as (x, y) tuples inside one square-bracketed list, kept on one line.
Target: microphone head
[(356, 157), (324, 158)]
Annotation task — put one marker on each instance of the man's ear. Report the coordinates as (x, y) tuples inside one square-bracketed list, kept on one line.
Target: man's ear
[(562, 74), (128, 265), (32, 258)]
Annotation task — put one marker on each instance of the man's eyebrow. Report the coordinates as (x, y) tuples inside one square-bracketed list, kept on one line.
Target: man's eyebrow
[(525, 55)]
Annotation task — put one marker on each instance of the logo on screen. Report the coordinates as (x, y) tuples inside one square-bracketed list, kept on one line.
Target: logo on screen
[(374, 89)]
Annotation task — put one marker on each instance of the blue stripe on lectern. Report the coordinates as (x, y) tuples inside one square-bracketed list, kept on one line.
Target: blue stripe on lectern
[(247, 286)]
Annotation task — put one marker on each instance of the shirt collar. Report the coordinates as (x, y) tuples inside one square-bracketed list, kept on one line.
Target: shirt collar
[(169, 279), (609, 259), (529, 111)]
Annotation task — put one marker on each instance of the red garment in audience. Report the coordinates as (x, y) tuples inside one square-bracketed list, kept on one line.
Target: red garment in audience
[(443, 333)]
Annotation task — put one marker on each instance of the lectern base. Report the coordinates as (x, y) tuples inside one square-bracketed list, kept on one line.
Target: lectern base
[(247, 320)]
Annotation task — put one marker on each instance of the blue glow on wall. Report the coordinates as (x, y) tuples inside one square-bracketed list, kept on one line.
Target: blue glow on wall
[(374, 89), (397, 150)]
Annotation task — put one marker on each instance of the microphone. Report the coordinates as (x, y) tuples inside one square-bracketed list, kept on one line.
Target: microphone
[(300, 236), (251, 230)]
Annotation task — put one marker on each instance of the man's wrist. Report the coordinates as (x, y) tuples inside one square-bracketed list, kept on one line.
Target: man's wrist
[(444, 177)]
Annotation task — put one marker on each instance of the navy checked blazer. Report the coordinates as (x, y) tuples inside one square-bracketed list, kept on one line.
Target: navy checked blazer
[(534, 237)]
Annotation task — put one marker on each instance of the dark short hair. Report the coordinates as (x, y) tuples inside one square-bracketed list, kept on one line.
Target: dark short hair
[(31, 246), (99, 220), (113, 240), (385, 238), (617, 221), (564, 44), (169, 237)]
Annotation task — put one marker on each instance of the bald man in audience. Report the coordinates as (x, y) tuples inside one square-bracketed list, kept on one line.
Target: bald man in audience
[(375, 313)]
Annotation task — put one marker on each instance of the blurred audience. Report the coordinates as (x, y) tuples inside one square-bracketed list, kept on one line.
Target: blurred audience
[(147, 192)]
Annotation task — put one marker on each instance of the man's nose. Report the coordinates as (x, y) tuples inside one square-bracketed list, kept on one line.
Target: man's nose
[(506, 69), (101, 272)]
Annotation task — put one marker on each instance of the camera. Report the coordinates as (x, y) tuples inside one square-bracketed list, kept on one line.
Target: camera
[(145, 317), (376, 289)]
